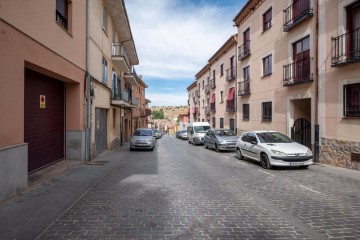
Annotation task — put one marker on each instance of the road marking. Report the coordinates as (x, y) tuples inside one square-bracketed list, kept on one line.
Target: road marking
[(242, 163), (309, 189), (266, 172), (225, 157)]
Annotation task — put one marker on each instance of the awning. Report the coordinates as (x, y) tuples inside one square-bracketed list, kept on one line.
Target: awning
[(230, 96), (213, 98)]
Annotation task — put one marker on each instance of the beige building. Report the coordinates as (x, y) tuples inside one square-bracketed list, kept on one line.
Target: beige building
[(276, 68), (192, 102), (114, 82), (339, 82), (142, 112), (42, 72)]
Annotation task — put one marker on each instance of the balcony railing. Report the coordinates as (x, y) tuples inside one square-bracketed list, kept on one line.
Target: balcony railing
[(231, 74), (298, 72), (212, 107), (197, 93), (207, 89), (120, 57), (296, 13), (212, 83), (230, 105), (207, 110), (244, 87), (147, 112), (244, 50), (345, 49)]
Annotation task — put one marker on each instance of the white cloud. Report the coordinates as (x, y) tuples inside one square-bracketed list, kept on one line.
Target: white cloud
[(167, 99), (174, 38)]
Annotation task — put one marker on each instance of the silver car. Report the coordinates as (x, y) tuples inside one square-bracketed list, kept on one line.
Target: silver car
[(220, 139), (142, 138), (157, 133)]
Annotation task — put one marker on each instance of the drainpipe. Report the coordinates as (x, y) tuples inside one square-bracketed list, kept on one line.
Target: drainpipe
[(88, 87), (317, 128)]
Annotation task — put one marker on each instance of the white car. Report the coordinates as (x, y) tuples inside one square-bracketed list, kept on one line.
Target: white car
[(272, 148)]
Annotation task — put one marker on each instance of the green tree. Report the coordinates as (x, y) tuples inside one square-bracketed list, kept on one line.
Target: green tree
[(158, 114)]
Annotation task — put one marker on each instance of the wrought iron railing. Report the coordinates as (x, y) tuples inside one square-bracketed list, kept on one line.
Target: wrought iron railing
[(296, 13), (207, 110), (212, 107), (244, 50), (244, 87), (345, 49), (298, 72), (207, 89), (231, 73), (197, 93), (230, 105)]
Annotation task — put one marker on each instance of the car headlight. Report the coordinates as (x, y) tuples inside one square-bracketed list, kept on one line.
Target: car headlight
[(222, 141), (308, 152), (150, 141), (276, 152)]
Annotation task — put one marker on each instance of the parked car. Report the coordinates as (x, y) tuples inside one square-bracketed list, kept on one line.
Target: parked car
[(183, 135), (220, 139), (272, 148), (142, 138), (196, 132), (157, 133), (177, 134)]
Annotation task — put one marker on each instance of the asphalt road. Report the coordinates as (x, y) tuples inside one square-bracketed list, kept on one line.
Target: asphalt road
[(181, 191)]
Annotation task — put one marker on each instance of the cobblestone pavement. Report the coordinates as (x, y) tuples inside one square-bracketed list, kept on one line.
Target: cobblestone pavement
[(181, 191)]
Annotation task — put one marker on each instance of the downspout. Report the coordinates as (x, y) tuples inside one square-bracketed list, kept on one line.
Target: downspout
[(317, 128), (88, 87)]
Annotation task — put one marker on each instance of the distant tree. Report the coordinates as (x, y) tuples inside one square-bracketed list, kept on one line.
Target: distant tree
[(158, 114)]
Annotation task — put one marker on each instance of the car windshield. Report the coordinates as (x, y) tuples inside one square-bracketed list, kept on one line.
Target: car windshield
[(201, 129), (224, 133), (273, 137), (143, 132)]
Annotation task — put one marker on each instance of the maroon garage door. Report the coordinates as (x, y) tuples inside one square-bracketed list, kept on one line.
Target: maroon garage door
[(44, 119)]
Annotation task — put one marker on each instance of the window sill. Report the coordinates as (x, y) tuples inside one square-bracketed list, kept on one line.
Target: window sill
[(267, 75), (350, 118), (246, 119), (266, 30), (266, 121), (67, 31)]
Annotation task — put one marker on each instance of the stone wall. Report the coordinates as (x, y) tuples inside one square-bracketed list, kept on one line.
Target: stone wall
[(338, 153)]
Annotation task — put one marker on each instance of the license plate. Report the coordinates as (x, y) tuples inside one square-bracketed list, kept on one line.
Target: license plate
[(296, 164)]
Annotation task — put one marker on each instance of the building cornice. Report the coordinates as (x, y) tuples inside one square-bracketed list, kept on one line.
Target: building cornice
[(247, 11), (202, 71), (191, 86)]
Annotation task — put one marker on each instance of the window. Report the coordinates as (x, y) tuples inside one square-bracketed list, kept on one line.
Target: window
[(221, 122), (267, 17), (104, 70), (266, 111), (301, 56), (267, 65), (62, 13), (213, 122), (203, 84), (203, 102), (246, 111), (221, 96), (213, 74), (352, 100), (221, 69), (246, 72), (105, 20), (246, 35)]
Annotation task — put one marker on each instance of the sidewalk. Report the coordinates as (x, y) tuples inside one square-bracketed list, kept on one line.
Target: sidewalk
[(51, 191)]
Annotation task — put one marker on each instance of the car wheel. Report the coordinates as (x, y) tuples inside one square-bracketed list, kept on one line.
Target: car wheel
[(239, 154), (265, 163), (217, 148), (205, 145)]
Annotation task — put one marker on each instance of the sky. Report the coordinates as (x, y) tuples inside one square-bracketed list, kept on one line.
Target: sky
[(174, 40)]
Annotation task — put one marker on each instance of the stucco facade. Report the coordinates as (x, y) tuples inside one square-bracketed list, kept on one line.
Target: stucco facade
[(192, 102), (48, 49)]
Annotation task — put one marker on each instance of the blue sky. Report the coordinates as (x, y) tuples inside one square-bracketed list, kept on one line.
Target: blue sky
[(174, 39)]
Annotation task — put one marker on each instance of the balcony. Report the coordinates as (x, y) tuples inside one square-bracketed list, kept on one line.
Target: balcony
[(212, 83), (197, 93), (298, 72), (244, 50), (121, 98), (119, 57), (212, 107), (244, 88), (207, 110), (230, 106), (131, 77), (207, 89), (345, 49), (147, 112), (134, 101), (296, 13), (231, 74)]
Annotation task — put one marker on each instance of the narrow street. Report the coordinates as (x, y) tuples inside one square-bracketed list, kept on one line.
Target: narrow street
[(181, 191)]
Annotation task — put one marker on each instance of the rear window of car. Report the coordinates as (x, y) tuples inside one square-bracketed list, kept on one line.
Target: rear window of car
[(143, 132)]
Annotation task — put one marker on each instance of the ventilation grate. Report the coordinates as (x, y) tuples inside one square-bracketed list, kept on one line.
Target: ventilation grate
[(355, 157)]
